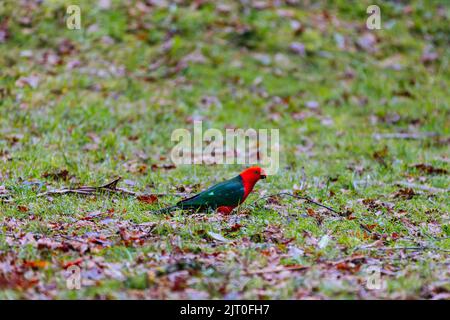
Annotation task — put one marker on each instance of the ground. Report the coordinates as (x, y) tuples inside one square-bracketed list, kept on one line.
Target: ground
[(363, 119)]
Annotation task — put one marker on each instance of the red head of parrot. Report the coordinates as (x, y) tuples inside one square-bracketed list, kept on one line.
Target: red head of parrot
[(250, 177)]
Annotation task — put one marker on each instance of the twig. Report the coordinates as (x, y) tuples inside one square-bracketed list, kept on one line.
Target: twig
[(421, 187), (11, 234), (110, 187), (402, 248), (69, 238), (277, 269), (399, 135), (298, 197), (301, 268), (85, 190)]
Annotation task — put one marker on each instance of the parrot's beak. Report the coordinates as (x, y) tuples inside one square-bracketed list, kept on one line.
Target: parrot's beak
[(263, 174)]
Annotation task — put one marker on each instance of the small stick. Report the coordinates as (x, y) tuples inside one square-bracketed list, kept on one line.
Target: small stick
[(399, 135), (402, 248), (298, 197), (110, 187), (421, 187), (278, 269), (301, 268)]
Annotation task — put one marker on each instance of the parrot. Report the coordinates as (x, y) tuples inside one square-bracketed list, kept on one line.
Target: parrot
[(225, 196)]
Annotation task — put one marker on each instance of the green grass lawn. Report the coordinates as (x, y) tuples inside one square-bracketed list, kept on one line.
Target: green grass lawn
[(363, 117)]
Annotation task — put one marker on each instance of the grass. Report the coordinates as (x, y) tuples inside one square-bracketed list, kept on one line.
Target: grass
[(107, 98)]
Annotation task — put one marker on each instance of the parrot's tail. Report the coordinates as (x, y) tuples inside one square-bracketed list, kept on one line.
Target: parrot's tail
[(166, 210)]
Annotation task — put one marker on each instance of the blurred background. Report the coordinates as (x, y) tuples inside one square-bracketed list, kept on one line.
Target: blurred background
[(136, 70)]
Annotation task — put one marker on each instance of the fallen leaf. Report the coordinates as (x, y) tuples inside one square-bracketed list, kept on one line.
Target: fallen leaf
[(380, 155), (37, 264), (218, 237), (166, 166), (3, 190), (367, 42), (429, 169), (22, 208), (4, 31), (150, 198), (31, 81), (58, 175), (298, 48), (323, 242), (405, 193)]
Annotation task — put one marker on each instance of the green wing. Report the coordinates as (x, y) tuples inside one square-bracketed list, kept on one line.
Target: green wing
[(227, 193)]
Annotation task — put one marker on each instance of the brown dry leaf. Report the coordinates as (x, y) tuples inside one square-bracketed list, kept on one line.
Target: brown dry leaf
[(235, 227), (274, 233), (275, 199), (4, 31), (134, 166), (352, 264), (58, 175), (165, 166), (377, 204), (92, 215), (429, 169), (37, 264), (132, 236), (5, 155), (348, 266), (380, 155), (148, 198), (47, 243), (16, 280), (369, 227), (22, 208), (404, 193), (179, 280), (13, 139), (312, 213), (400, 213), (50, 58), (66, 47)]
